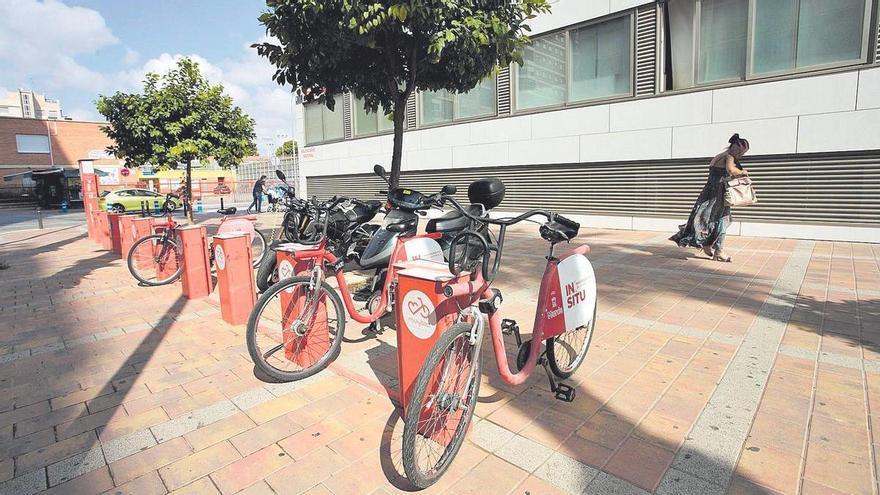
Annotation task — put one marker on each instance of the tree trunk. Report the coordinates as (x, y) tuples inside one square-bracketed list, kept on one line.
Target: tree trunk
[(397, 155), (187, 202)]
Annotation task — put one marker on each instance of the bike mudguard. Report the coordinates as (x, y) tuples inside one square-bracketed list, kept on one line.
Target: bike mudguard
[(568, 292)]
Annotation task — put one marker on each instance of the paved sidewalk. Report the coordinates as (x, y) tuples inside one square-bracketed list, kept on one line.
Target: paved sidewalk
[(757, 376)]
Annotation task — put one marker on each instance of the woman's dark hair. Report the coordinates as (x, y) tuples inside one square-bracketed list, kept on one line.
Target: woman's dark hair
[(738, 143), (262, 177)]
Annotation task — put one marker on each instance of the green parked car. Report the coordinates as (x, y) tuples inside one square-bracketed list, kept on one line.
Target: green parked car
[(122, 200)]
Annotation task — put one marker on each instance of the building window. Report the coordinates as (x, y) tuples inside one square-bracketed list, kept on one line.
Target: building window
[(321, 124), (32, 143), (601, 63), (540, 81), (586, 63), (370, 124), (723, 33), (442, 106), (713, 41), (793, 34)]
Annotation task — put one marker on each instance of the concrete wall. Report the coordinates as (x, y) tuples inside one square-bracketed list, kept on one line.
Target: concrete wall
[(835, 112)]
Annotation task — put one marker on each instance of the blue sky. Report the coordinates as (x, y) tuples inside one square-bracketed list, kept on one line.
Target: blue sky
[(74, 50)]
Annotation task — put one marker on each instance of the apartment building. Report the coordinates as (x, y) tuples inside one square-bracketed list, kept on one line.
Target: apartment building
[(620, 103), (26, 104)]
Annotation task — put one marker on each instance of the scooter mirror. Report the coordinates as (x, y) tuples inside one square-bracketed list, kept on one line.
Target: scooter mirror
[(280, 175), (379, 170), (449, 190)]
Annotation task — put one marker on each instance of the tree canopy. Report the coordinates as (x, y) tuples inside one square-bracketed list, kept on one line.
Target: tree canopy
[(287, 149), (383, 51), (180, 117)]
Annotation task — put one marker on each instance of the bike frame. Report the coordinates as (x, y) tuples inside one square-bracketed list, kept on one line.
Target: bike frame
[(323, 257), (479, 288)]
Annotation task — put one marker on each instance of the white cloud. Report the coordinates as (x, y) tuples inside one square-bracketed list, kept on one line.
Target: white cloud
[(247, 78), (131, 57), (42, 39), (86, 114)]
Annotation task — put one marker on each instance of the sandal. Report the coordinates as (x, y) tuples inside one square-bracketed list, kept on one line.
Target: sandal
[(719, 256)]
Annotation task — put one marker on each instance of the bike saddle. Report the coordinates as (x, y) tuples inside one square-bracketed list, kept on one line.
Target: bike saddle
[(452, 221), (560, 229), (227, 211)]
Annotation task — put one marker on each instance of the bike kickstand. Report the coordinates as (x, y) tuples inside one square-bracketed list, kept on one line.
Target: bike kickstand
[(561, 391)]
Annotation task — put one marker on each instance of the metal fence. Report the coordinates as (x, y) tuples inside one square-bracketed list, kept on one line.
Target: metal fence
[(250, 171)]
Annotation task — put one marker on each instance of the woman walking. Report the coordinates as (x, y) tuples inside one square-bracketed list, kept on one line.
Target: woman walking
[(710, 217)]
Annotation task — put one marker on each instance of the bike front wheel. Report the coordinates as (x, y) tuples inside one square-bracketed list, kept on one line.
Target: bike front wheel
[(566, 352), (441, 406), (266, 274), (293, 331), (258, 247), (155, 260)]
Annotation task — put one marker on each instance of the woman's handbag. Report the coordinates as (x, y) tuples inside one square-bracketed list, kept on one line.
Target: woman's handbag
[(740, 192)]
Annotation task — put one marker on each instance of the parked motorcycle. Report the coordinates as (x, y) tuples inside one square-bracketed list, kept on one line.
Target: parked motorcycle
[(347, 230), (402, 220)]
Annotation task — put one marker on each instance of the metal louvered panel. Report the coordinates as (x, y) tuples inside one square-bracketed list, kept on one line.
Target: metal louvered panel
[(346, 116), (835, 188), (411, 111), (646, 50), (877, 37), (503, 90)]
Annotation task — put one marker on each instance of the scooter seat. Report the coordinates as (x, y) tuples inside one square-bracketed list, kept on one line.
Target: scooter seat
[(227, 211), (452, 221)]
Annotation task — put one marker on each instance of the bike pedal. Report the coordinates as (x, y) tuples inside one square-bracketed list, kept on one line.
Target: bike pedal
[(508, 326), (565, 393)]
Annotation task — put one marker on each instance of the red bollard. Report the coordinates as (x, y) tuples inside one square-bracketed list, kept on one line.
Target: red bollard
[(196, 275), (115, 234), (126, 234), (103, 225), (141, 227), (304, 350), (423, 313), (235, 276)]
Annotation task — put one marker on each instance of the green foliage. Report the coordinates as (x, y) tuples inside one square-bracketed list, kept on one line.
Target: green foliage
[(383, 50), (287, 149), (179, 118)]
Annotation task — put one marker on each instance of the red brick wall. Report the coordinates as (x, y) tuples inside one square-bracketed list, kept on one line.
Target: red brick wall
[(71, 141)]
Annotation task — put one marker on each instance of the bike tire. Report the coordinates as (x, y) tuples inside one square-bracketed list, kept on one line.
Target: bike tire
[(266, 276), (422, 479), (564, 372), (132, 261), (253, 324), (259, 240)]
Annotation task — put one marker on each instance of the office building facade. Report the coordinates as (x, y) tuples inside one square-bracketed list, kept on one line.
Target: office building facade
[(620, 103)]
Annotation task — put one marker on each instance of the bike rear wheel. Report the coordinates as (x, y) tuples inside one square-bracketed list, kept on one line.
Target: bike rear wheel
[(441, 407), (292, 332), (155, 260), (566, 352)]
